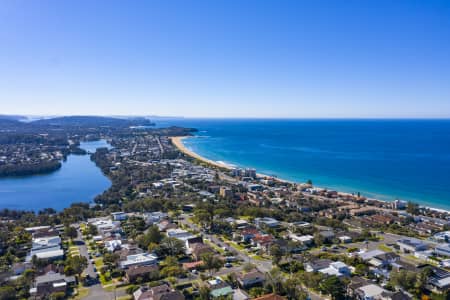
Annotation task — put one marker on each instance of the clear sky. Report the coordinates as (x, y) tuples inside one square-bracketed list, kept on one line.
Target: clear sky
[(248, 58)]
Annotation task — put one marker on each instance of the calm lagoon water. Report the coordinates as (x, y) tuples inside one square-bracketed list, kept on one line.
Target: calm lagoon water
[(78, 180), (386, 159)]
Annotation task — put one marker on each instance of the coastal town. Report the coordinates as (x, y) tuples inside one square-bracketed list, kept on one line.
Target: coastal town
[(174, 225)]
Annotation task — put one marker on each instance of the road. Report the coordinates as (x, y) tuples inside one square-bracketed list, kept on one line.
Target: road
[(96, 291)]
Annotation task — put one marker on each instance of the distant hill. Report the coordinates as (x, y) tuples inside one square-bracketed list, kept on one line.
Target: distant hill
[(94, 121), (8, 122), (12, 117)]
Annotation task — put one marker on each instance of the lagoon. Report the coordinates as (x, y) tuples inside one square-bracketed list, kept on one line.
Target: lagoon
[(78, 180)]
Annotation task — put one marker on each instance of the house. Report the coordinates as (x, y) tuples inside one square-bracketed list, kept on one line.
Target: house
[(19, 268), (131, 274), (222, 293), (305, 240), (384, 260), (263, 241), (355, 283), (267, 222), (327, 236), (165, 225), (160, 292), (409, 245), (113, 245), (46, 247), (344, 239), (225, 192), (439, 280), (250, 279), (442, 250), (200, 249), (370, 292), (50, 283), (104, 226), (248, 234), (128, 249), (316, 265), (50, 254), (119, 216), (154, 217), (45, 242), (219, 288), (336, 269), (366, 256), (179, 234), (192, 241), (141, 259), (442, 237), (241, 224)]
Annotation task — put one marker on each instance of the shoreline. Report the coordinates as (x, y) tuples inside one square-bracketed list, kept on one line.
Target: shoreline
[(178, 142)]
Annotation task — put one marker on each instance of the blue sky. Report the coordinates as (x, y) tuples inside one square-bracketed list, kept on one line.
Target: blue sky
[(226, 58)]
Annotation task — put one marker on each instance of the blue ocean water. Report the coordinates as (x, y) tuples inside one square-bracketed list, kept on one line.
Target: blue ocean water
[(385, 159), (78, 180)]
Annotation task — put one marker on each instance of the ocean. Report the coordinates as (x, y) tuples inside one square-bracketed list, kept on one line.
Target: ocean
[(383, 159)]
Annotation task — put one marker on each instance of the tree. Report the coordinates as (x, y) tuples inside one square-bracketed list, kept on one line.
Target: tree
[(70, 232), (171, 246), (151, 236), (333, 287), (75, 265), (91, 229), (256, 292), (7, 293), (293, 291), (277, 253), (422, 281), (275, 281), (204, 292), (361, 269), (231, 279), (211, 262), (404, 279)]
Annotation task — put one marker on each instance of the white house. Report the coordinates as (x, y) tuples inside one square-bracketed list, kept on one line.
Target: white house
[(136, 260)]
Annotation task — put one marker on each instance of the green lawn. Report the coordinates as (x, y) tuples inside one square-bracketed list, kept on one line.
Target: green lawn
[(103, 280), (98, 263), (258, 257), (236, 245), (385, 248)]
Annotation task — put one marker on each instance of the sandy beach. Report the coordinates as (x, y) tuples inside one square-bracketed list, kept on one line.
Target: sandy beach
[(178, 142)]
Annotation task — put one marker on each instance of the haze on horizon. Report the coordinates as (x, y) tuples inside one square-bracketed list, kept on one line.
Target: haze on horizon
[(313, 59)]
